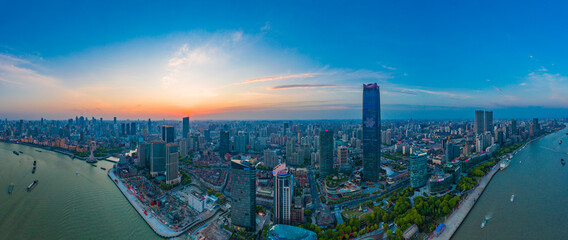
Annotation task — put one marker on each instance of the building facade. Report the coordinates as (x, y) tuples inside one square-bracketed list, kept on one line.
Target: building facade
[(326, 152), (243, 195), (371, 132), (418, 170), (283, 191)]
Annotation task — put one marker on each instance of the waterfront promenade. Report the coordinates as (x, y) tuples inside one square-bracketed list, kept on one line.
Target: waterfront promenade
[(454, 221), (156, 225)]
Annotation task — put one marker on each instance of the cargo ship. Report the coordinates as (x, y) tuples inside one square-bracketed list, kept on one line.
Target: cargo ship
[(11, 188), (15, 152), (33, 185)]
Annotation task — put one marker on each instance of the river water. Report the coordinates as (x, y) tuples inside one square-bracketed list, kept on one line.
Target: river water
[(64, 205), (540, 207)]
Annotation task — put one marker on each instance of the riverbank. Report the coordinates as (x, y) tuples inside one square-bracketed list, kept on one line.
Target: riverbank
[(456, 218), (47, 148), (159, 228)]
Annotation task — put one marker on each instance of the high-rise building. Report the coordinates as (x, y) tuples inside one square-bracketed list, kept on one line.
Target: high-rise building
[(283, 192), (168, 134), (371, 132), (536, 126), (342, 152), (185, 128), (144, 154), (418, 170), (326, 152), (483, 121), (172, 164), (158, 154), (133, 128), (514, 129), (243, 195), (449, 151), (270, 158), (224, 143)]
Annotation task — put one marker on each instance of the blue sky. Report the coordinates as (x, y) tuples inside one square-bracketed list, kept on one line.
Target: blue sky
[(282, 60)]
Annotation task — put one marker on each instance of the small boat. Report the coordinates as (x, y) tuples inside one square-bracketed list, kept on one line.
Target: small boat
[(562, 161), (484, 222), (512, 197), (35, 162), (33, 170), (560, 141), (93, 165), (76, 173), (33, 185), (11, 188), (103, 168), (21, 152), (15, 152), (38, 150)]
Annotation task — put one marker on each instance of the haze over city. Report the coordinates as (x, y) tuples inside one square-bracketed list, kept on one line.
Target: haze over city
[(211, 61)]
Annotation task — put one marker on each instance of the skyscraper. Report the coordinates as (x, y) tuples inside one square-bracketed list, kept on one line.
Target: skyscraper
[(243, 195), (270, 158), (158, 154), (371, 132), (172, 164), (514, 130), (144, 154), (224, 143), (133, 128), (283, 191), (168, 134), (185, 128), (418, 169), (326, 152), (483, 121)]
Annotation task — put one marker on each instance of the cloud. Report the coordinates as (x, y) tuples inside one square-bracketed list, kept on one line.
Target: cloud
[(498, 89), (237, 36), (387, 67), (266, 79), (301, 86), (15, 71), (439, 93), (266, 27)]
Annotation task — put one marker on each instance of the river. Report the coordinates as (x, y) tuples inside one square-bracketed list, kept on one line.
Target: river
[(540, 207), (64, 205)]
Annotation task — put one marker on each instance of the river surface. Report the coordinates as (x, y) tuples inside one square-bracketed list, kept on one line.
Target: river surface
[(64, 205), (540, 207)]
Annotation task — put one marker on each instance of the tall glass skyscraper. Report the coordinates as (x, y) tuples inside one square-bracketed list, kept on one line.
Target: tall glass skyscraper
[(243, 195), (371, 132), (326, 152), (224, 143), (168, 134), (283, 191), (418, 170), (185, 127)]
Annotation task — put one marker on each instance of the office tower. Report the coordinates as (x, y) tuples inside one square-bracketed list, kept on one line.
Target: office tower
[(158, 154), (114, 121), (168, 134), (240, 143), (144, 154), (122, 129), (488, 121), (224, 143), (150, 126), (418, 169), (291, 151), (483, 121), (500, 137), (514, 129), (371, 132), (449, 151), (479, 122), (133, 128), (172, 164), (283, 191), (326, 152), (243, 195), (270, 158), (185, 128)]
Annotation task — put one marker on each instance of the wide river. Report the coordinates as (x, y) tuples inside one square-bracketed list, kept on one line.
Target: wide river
[(64, 205), (540, 207)]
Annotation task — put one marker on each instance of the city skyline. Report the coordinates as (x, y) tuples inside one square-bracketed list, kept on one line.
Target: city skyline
[(157, 62)]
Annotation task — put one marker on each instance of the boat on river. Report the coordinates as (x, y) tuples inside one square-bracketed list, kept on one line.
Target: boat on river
[(484, 222), (512, 197), (11, 188)]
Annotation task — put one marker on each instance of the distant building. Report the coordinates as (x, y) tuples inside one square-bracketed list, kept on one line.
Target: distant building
[(326, 152), (418, 170), (168, 134), (279, 232), (371, 132), (224, 143), (185, 127), (483, 121), (270, 158), (144, 154), (283, 191), (243, 195)]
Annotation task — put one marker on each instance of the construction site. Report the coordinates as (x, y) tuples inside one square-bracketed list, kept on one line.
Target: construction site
[(168, 208)]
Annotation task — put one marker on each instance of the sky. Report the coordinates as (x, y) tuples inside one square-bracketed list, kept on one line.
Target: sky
[(282, 59)]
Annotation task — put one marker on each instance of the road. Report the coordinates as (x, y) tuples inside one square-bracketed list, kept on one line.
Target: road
[(356, 202), (313, 189)]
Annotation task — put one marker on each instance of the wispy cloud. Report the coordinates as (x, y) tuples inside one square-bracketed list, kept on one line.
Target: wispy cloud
[(266, 79), (301, 86), (431, 92), (266, 27)]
